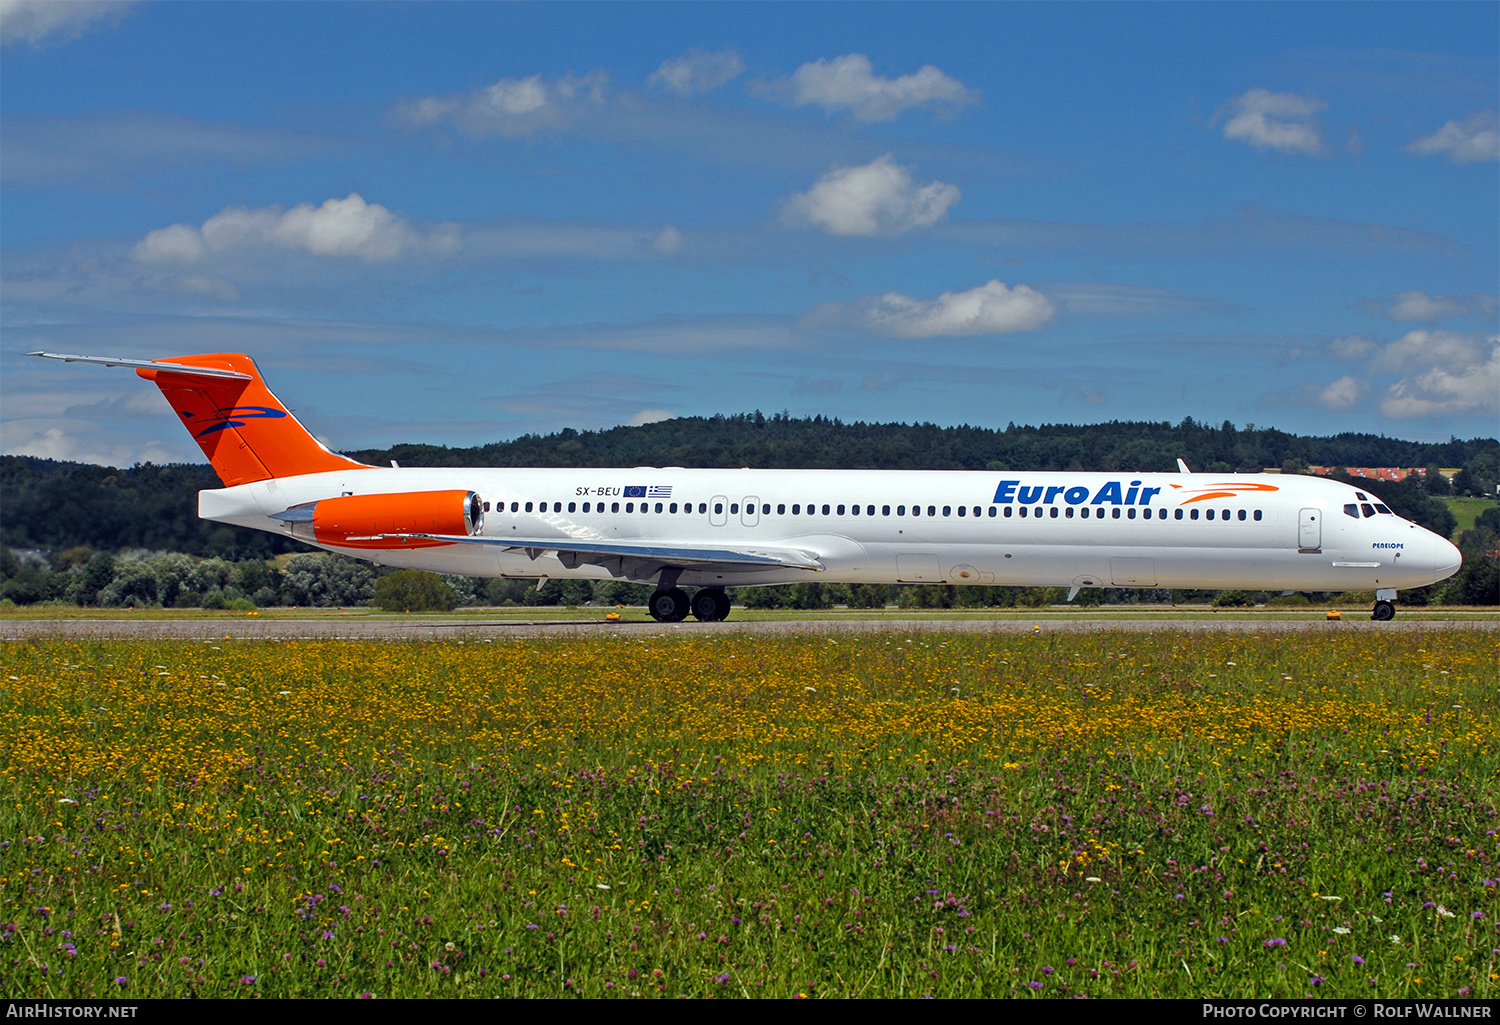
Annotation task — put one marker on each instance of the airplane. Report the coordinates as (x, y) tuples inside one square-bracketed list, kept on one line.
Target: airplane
[(713, 529)]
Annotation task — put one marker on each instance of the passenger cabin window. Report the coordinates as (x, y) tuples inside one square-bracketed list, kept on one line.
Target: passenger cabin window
[(885, 510), (1257, 515), (718, 508), (825, 510), (781, 509), (614, 507)]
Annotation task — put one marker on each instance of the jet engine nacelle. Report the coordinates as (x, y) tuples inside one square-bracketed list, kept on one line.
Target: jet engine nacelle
[(367, 521)]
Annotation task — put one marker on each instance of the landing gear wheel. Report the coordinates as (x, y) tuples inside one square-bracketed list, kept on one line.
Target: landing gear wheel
[(1384, 611), (669, 606), (710, 605)]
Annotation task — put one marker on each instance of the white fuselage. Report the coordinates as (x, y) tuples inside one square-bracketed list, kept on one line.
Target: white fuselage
[(1260, 531)]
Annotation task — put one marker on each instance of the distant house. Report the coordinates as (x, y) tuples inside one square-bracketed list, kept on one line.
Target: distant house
[(1382, 472)]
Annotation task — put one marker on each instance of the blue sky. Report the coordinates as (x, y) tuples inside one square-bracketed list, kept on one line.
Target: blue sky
[(458, 223)]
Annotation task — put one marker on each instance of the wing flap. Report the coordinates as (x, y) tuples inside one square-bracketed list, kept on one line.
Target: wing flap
[(672, 555)]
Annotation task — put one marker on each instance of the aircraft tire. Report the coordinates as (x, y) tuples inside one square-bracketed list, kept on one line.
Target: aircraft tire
[(710, 605), (669, 606), (1383, 611)]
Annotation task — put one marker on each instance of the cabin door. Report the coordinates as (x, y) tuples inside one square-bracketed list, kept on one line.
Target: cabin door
[(1310, 530)]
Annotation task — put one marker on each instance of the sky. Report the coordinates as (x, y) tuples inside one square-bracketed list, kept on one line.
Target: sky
[(460, 223)]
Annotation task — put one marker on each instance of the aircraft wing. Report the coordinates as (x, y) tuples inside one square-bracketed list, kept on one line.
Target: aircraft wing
[(573, 551)]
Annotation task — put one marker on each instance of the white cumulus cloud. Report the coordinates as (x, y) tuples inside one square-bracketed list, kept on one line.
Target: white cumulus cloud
[(39, 22), (511, 107), (1412, 306), (992, 308), (1422, 373), (1279, 121), (667, 241), (697, 71), (1475, 138), (878, 198), (1341, 394), (850, 83), (348, 227), (650, 416), (1470, 389)]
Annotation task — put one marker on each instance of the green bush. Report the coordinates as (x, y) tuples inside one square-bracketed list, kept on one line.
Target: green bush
[(412, 590)]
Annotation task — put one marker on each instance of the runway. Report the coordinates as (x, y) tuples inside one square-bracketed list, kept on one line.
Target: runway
[(425, 628)]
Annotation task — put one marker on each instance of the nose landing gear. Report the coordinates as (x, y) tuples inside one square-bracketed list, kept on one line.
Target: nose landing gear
[(1385, 605)]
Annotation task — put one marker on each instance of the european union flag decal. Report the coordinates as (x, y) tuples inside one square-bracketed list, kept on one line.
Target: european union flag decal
[(635, 491)]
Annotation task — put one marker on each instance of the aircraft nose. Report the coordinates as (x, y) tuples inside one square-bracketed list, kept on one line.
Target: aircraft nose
[(1446, 558)]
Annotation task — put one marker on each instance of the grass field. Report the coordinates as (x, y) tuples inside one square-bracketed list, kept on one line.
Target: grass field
[(889, 815), (1466, 511)]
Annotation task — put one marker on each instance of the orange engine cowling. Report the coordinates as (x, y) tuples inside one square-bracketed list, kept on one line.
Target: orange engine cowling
[(362, 521)]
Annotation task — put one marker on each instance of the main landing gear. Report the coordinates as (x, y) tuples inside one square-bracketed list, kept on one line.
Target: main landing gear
[(669, 606), (1385, 605), (710, 605), (672, 606)]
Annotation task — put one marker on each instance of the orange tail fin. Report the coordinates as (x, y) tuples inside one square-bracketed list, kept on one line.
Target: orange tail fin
[(244, 430)]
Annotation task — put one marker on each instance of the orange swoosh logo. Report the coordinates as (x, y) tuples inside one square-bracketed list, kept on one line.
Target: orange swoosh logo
[(1219, 490)]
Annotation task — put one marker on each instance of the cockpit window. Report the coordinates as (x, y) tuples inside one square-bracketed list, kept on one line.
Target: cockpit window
[(1369, 510), (1361, 496), (1351, 510), (1383, 510)]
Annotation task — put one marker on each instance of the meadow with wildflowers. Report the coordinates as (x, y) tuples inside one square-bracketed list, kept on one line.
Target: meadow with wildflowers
[(894, 814)]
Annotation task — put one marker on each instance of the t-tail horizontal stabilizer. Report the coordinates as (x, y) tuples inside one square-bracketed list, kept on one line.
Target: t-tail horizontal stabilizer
[(244, 430)]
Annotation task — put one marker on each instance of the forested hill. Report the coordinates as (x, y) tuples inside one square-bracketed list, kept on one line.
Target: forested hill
[(781, 442), (57, 506)]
